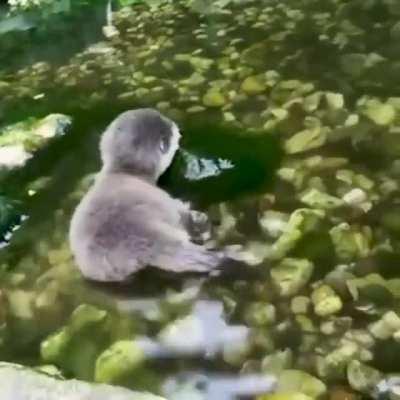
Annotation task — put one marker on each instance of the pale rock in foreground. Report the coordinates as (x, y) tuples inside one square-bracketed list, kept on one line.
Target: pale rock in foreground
[(20, 383)]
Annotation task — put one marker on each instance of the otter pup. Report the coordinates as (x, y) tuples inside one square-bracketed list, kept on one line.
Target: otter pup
[(125, 222)]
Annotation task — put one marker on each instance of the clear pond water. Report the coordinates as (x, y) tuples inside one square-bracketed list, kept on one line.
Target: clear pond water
[(290, 113)]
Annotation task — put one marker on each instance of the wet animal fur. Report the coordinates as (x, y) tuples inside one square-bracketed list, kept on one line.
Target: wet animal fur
[(125, 222)]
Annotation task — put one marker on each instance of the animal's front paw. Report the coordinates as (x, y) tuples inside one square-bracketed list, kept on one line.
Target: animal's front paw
[(199, 218), (200, 226)]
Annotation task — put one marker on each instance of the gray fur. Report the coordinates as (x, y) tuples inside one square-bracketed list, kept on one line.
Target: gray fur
[(125, 222)]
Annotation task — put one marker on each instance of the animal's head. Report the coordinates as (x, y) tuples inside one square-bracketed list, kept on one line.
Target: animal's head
[(142, 142)]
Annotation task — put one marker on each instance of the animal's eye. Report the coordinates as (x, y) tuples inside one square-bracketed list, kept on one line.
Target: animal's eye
[(163, 145)]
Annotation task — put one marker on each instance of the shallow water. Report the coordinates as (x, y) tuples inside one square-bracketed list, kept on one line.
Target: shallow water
[(319, 79)]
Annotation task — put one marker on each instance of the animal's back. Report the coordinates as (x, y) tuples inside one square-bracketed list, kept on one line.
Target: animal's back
[(117, 225)]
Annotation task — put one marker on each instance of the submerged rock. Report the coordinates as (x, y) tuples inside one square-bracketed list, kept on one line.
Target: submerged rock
[(118, 361), (75, 346), (254, 85), (305, 140), (292, 380), (362, 377), (380, 113), (291, 275), (273, 223), (300, 305), (387, 326), (21, 303), (214, 98), (350, 242), (301, 222), (334, 100), (320, 200), (326, 302), (333, 365), (22, 383), (260, 314)]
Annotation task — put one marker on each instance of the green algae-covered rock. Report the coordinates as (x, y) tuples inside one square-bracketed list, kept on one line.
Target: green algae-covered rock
[(307, 139), (385, 327), (305, 324), (21, 303), (350, 242), (292, 380), (362, 377), (53, 348), (301, 222), (22, 383), (276, 362), (334, 364), (214, 98), (254, 85), (316, 199), (75, 346), (335, 101), (291, 275), (300, 305), (118, 361), (58, 344), (380, 113), (86, 316), (325, 301), (260, 314), (336, 325), (273, 223)]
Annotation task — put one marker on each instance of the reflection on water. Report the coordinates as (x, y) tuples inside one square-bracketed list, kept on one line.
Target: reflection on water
[(203, 168), (226, 387)]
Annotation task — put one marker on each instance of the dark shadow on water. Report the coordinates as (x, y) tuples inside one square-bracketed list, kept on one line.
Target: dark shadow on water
[(153, 280), (220, 162)]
